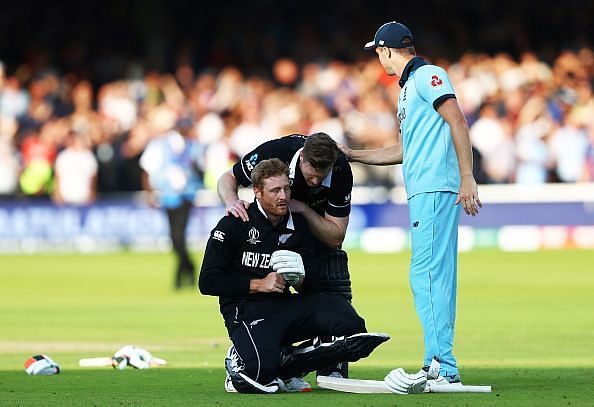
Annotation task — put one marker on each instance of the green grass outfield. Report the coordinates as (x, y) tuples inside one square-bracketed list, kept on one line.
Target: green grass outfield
[(525, 326)]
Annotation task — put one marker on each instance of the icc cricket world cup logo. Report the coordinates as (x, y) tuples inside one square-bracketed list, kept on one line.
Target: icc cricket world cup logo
[(254, 235)]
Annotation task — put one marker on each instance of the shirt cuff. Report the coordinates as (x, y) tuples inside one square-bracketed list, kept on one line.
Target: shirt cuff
[(437, 102)]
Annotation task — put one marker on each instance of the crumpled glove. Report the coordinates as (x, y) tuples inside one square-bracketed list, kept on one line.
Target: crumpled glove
[(41, 365), (400, 382), (288, 264), (130, 355)]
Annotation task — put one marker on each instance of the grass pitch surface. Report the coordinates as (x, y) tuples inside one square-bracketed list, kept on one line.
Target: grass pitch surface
[(525, 326)]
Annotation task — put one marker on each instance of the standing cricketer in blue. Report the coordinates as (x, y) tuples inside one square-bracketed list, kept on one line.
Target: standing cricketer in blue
[(433, 144)]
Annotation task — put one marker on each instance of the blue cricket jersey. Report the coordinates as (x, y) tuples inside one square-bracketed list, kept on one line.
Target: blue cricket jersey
[(172, 163), (430, 163)]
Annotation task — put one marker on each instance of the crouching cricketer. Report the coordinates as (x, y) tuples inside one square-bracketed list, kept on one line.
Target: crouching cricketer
[(251, 266)]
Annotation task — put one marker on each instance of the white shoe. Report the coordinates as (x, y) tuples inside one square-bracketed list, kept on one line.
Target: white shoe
[(229, 385), (234, 357), (294, 385)]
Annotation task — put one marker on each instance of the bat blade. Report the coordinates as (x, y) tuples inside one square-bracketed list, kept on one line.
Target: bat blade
[(352, 385), (94, 362), (106, 361)]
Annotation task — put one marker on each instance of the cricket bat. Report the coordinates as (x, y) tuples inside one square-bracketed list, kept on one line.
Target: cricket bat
[(352, 385), (379, 386), (106, 361)]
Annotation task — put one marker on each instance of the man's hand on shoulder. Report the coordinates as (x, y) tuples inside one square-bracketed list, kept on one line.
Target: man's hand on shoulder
[(346, 151), (297, 206), (237, 208)]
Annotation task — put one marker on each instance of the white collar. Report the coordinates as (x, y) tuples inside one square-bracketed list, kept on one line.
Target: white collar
[(290, 224), (293, 164)]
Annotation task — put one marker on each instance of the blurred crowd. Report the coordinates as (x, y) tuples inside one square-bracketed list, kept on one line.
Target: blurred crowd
[(530, 122)]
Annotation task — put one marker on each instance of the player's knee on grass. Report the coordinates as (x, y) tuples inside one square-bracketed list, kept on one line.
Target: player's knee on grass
[(242, 383), (263, 371), (252, 375)]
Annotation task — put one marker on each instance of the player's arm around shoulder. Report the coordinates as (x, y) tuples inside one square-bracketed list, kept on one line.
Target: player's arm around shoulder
[(227, 188)]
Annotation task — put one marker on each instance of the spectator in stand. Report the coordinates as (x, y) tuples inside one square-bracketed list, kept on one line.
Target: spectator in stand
[(38, 153), (14, 100), (532, 151), (490, 136), (588, 174), (9, 165), (518, 104), (568, 148), (251, 132), (75, 172)]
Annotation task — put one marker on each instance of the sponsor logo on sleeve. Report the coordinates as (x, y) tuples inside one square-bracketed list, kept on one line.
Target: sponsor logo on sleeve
[(436, 82), (218, 235), (250, 163)]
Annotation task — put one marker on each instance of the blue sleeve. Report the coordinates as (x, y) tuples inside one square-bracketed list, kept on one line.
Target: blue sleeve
[(433, 85)]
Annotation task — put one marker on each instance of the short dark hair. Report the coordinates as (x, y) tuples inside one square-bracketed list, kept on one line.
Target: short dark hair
[(410, 50), (320, 151), (267, 169)]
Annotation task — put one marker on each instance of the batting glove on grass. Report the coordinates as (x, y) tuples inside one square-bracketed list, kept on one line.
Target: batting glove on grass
[(400, 382), (289, 265), (130, 355)]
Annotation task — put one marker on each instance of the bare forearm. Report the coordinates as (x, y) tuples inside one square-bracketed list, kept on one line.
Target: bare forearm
[(328, 232), (227, 187), (385, 156), (463, 148)]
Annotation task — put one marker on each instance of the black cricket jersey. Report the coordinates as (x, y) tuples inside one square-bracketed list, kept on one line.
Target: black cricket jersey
[(332, 197), (238, 252)]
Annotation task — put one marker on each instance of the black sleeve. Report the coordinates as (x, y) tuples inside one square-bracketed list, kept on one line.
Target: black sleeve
[(242, 170), (339, 200), (215, 275), (311, 282)]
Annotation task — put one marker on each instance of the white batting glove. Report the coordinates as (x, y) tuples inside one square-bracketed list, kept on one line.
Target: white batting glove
[(130, 355), (400, 382), (289, 265)]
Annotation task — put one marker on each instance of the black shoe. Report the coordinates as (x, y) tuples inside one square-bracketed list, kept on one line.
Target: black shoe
[(305, 359)]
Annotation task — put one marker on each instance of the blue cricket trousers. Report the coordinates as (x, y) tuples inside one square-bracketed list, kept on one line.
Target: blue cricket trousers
[(433, 272)]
